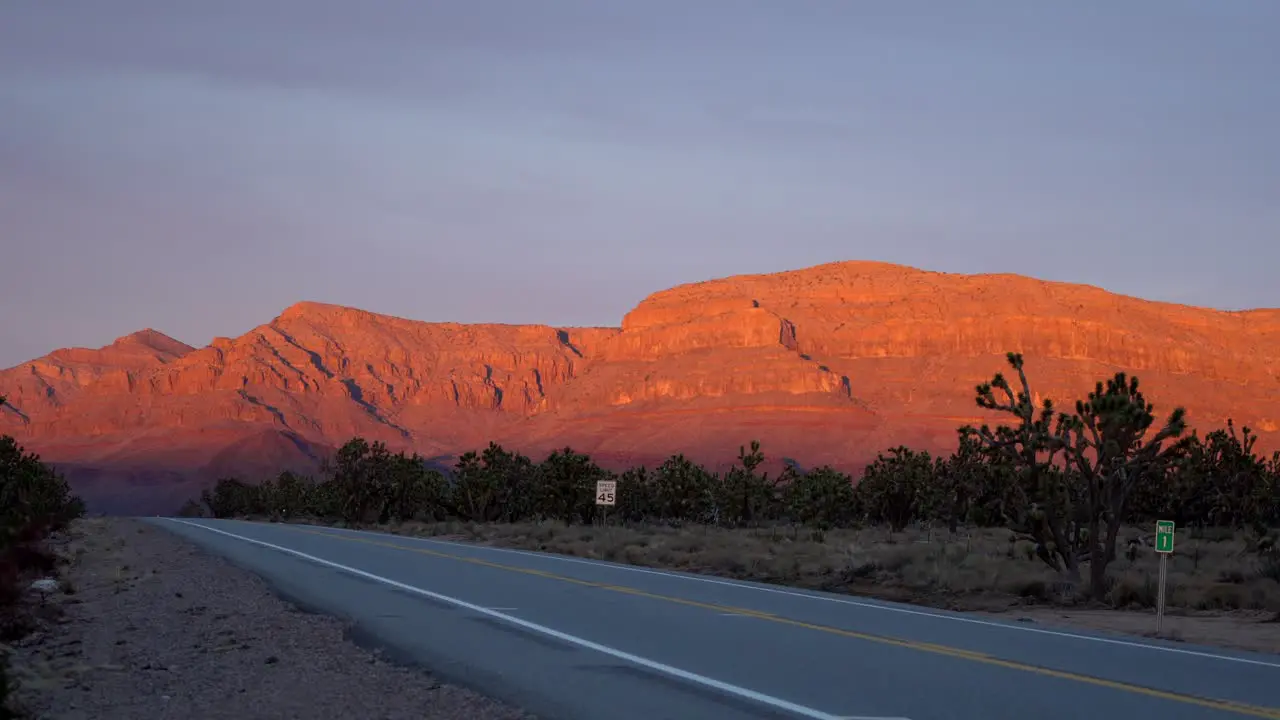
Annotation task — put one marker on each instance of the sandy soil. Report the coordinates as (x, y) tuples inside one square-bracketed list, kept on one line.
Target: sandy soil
[(154, 628), (1241, 629)]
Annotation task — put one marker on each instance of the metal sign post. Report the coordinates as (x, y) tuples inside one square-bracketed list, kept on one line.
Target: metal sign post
[(1164, 547)]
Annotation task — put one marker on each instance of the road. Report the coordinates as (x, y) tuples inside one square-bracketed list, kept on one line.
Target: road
[(567, 639)]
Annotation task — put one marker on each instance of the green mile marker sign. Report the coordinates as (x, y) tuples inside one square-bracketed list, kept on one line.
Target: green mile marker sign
[(1164, 536)]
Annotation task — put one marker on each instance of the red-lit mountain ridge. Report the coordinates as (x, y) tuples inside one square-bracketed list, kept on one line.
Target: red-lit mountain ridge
[(829, 364)]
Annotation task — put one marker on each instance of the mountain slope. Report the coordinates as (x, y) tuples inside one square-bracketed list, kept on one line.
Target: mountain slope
[(827, 364)]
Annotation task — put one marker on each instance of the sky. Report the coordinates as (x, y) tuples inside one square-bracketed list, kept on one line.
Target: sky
[(196, 167)]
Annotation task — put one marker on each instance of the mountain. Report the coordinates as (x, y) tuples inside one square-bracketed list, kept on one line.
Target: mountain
[(828, 364)]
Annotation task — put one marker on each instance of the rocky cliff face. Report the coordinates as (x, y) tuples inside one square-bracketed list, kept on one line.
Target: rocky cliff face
[(321, 372), (59, 377), (827, 364)]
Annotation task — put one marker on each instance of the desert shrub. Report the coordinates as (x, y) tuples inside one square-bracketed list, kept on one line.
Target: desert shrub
[(494, 486), (35, 500), (823, 498), (565, 484), (32, 493), (894, 487), (367, 483), (231, 498), (745, 496)]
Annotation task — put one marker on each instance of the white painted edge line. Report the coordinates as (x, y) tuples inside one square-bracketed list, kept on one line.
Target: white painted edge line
[(741, 692), (823, 598)]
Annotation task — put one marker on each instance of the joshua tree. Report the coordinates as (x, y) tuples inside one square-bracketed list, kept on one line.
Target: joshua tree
[(1076, 471), (893, 488), (1042, 503), (1107, 448)]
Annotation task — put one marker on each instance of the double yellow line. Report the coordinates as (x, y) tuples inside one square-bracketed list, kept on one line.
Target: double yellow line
[(1224, 705)]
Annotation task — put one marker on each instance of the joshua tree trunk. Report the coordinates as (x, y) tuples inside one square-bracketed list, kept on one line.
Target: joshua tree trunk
[(1113, 532), (1097, 561)]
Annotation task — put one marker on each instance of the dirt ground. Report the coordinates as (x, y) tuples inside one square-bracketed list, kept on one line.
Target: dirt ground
[(1218, 593), (1241, 629), (148, 626)]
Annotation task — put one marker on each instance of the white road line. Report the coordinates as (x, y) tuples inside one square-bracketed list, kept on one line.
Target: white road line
[(824, 598), (665, 669)]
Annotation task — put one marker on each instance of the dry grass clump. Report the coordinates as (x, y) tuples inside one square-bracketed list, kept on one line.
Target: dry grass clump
[(1213, 570), (971, 569), (917, 566)]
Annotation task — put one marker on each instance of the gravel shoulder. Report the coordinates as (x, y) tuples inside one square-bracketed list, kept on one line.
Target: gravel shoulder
[(155, 628)]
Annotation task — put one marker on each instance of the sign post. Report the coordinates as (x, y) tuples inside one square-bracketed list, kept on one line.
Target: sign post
[(1164, 547), (606, 496)]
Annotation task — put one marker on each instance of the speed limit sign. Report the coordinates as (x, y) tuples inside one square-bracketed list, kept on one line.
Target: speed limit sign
[(607, 492)]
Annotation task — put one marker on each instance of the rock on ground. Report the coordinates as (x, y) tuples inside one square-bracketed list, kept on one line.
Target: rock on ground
[(155, 628)]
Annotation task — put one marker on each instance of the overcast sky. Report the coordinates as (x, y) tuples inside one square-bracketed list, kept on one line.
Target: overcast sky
[(197, 166)]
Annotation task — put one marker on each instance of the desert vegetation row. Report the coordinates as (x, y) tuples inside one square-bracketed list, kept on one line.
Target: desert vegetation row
[(34, 502), (1074, 493)]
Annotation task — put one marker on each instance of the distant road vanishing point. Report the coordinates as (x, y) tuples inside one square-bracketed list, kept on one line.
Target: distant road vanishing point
[(567, 638)]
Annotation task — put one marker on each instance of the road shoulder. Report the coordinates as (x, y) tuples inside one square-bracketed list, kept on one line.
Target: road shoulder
[(156, 627)]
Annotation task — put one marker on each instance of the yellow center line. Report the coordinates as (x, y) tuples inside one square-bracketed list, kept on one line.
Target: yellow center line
[(1226, 705)]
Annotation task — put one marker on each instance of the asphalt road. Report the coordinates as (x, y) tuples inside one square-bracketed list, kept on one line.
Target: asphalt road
[(567, 638)]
